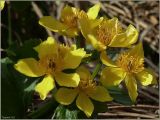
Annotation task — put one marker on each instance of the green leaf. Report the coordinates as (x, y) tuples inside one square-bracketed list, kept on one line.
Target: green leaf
[(99, 107), (11, 96), (120, 95), (68, 112), (64, 112), (44, 111), (16, 52), (17, 91)]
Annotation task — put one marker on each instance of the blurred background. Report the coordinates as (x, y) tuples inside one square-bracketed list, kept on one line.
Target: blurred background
[(19, 24)]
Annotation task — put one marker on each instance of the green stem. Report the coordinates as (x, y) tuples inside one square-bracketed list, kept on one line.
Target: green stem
[(97, 69), (9, 25)]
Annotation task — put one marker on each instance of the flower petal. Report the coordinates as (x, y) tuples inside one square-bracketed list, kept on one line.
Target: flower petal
[(52, 24), (87, 26), (73, 58), (2, 3), (112, 76), (93, 11), (68, 11), (85, 104), (146, 77), (70, 32), (45, 86), (100, 94), (132, 87), (137, 50), (83, 72), (47, 47), (29, 67), (68, 80), (125, 39), (66, 96), (106, 60), (95, 43)]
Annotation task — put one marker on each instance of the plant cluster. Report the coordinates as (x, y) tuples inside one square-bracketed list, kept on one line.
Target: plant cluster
[(63, 67)]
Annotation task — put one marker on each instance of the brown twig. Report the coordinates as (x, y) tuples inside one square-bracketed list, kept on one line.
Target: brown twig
[(40, 15), (127, 114)]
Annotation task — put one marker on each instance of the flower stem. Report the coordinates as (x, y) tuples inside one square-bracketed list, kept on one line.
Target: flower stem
[(97, 69)]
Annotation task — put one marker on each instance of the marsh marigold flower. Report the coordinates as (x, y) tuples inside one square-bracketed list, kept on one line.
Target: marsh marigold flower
[(129, 67), (103, 33), (86, 89), (68, 23), (53, 59)]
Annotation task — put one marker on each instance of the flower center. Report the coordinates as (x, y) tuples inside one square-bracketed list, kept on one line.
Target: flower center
[(87, 85), (71, 19), (54, 63), (130, 63), (106, 32), (50, 63)]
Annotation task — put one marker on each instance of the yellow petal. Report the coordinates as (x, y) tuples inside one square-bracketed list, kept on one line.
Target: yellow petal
[(106, 60), (47, 47), (87, 26), (112, 76), (125, 39), (85, 104), (137, 50), (83, 72), (73, 58), (97, 45), (146, 77), (70, 32), (66, 96), (45, 86), (93, 11), (2, 3), (100, 94), (68, 11), (68, 80), (29, 67), (52, 24), (132, 87)]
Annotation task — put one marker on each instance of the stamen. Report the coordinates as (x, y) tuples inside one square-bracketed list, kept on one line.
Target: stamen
[(130, 63), (71, 20), (87, 85), (105, 32)]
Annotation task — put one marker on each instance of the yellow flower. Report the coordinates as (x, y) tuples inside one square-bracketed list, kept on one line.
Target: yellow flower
[(103, 33), (53, 59), (86, 89), (68, 23), (2, 3), (129, 67)]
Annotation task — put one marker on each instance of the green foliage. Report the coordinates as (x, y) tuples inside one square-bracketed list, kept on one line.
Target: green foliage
[(13, 93), (16, 52), (17, 89), (68, 112), (120, 95), (45, 111)]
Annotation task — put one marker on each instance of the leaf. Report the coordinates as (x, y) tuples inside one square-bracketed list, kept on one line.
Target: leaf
[(120, 95), (99, 107), (12, 102), (17, 91), (16, 52), (44, 111), (68, 112)]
